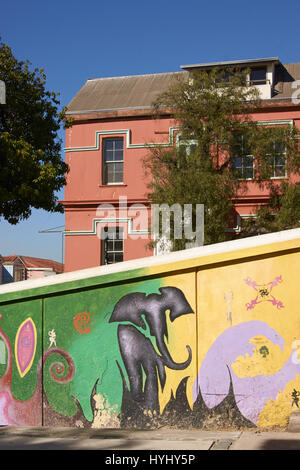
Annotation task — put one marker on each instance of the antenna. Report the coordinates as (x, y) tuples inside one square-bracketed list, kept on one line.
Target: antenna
[(54, 230)]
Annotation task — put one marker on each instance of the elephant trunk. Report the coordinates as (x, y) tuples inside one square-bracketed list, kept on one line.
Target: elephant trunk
[(167, 359)]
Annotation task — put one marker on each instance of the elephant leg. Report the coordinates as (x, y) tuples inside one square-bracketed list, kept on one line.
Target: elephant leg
[(129, 352), (151, 390), (139, 355), (135, 375)]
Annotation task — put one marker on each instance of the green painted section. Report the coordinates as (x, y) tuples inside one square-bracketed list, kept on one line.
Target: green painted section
[(13, 316), (72, 285), (94, 353)]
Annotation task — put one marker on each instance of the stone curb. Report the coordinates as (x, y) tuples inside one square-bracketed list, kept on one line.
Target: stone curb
[(294, 422)]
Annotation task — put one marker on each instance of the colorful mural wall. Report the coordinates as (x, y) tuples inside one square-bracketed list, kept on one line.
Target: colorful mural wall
[(207, 338)]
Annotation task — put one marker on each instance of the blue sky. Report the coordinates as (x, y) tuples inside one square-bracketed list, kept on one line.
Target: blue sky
[(74, 41)]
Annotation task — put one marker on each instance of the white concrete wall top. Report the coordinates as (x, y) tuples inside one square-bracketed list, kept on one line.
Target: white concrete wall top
[(164, 260)]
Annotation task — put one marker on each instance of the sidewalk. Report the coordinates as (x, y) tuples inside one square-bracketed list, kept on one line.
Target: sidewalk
[(50, 438)]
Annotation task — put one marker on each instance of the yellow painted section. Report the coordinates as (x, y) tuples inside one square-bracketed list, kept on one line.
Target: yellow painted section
[(224, 300), (267, 359), (233, 288), (182, 332)]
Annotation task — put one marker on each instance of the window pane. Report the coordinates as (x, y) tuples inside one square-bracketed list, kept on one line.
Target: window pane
[(243, 166), (118, 155), (109, 173), (109, 245), (109, 258), (248, 173), (258, 76), (118, 177), (118, 166), (113, 173), (118, 257), (278, 147), (248, 161), (118, 144), (237, 162), (279, 165), (236, 149), (113, 152), (279, 160), (279, 172), (119, 245), (113, 246), (108, 144)]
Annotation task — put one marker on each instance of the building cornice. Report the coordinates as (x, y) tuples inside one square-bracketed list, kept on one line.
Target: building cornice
[(95, 115), (92, 204)]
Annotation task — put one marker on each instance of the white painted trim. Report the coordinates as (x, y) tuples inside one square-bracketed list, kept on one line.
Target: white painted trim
[(143, 263), (238, 227), (96, 221), (172, 130), (278, 121), (39, 269), (129, 145)]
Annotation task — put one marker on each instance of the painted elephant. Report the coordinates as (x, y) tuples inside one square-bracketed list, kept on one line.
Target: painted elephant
[(137, 351)]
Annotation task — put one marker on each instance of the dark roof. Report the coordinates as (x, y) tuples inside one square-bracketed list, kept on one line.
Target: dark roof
[(139, 91), (31, 262)]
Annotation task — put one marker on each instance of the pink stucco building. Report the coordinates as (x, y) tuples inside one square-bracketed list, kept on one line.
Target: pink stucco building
[(112, 129)]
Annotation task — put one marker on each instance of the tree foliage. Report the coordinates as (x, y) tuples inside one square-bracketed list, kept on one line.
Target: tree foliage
[(215, 114), (30, 160)]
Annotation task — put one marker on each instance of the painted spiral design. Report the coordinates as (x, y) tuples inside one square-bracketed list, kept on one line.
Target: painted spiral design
[(57, 369)]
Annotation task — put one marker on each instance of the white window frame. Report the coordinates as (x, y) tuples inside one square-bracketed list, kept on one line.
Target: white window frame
[(105, 251), (274, 155), (111, 162), (243, 156)]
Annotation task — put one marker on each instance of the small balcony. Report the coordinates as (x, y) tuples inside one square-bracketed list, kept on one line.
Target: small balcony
[(264, 87)]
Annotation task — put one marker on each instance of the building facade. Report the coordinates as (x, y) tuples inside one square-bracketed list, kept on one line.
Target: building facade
[(107, 211), (20, 268)]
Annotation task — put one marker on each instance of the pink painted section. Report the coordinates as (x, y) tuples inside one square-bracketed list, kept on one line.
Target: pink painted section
[(84, 181), (84, 190)]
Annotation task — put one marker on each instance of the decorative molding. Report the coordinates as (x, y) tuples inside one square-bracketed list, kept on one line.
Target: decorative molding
[(97, 221), (172, 131), (129, 145)]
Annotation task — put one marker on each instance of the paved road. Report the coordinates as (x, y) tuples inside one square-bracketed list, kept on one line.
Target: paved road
[(42, 438)]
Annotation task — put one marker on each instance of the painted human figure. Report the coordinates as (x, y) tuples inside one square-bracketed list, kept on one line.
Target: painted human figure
[(52, 338)]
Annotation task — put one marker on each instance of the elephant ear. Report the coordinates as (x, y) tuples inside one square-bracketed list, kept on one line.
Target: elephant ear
[(130, 308), (175, 300)]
